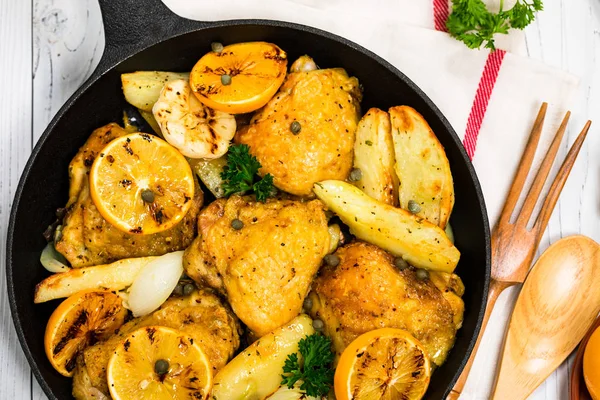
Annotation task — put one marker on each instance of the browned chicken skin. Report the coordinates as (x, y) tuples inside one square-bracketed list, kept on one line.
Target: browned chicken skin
[(326, 103), (366, 292), (88, 239), (266, 267), (201, 315)]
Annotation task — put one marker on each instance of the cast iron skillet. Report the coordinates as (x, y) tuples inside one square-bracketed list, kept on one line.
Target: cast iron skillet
[(145, 35)]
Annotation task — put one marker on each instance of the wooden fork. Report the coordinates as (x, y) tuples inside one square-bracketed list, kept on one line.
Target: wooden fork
[(513, 244)]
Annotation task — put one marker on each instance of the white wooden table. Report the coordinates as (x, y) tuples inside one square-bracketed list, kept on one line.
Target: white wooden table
[(49, 47)]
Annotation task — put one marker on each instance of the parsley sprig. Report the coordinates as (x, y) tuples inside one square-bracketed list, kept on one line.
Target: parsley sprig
[(240, 174), (313, 367), (472, 23)]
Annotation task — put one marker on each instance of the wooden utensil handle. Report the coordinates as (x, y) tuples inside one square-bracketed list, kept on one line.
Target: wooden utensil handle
[(495, 289)]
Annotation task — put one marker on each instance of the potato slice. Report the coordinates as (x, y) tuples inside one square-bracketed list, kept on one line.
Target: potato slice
[(142, 88), (374, 156), (209, 172), (403, 234), (255, 373), (115, 276), (421, 166)]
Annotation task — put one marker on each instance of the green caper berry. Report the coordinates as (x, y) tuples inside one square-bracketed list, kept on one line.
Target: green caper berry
[(188, 289), (161, 367), (332, 260), (400, 263), (308, 303), (216, 47), (356, 175), (237, 224), (226, 79), (148, 196), (295, 127), (422, 274), (414, 207), (178, 291), (318, 324)]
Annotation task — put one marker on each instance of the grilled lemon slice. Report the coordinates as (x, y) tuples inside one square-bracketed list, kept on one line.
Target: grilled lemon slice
[(241, 78), (141, 184), (156, 363), (388, 364), (76, 321)]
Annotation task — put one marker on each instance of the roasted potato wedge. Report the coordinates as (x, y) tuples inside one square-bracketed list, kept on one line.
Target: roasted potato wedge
[(209, 172), (142, 88), (115, 276), (403, 234), (421, 166), (255, 373), (374, 156)]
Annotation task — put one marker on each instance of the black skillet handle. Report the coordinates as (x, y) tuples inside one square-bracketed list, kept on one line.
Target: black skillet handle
[(132, 25)]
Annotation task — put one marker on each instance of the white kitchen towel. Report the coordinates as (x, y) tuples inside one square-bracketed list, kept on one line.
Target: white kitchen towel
[(490, 98)]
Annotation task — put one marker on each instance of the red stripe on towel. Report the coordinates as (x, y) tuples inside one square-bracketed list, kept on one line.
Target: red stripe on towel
[(482, 99), (440, 14)]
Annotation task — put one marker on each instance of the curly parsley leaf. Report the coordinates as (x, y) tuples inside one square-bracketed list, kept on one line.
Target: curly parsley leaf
[(240, 174), (313, 369), (472, 23), (264, 188)]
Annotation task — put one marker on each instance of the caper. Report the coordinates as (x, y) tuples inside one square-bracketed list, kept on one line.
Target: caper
[(318, 324), (237, 224), (422, 274), (332, 260), (308, 303), (161, 367), (329, 214), (188, 289), (400, 263), (414, 207), (356, 175), (216, 47), (148, 195), (178, 291), (226, 79), (295, 127)]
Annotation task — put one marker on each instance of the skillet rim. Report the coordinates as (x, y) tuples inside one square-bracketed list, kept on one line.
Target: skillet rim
[(110, 61)]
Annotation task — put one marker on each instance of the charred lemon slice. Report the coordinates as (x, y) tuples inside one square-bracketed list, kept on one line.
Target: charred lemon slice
[(385, 364), (141, 184), (241, 78), (156, 363), (78, 321)]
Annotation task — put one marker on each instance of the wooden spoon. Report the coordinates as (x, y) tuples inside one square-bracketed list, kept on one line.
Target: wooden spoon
[(557, 305), (578, 389)]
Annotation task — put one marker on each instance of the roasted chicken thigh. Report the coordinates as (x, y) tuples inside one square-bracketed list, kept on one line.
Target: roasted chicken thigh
[(88, 239), (202, 315), (324, 106), (365, 291), (263, 256)]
